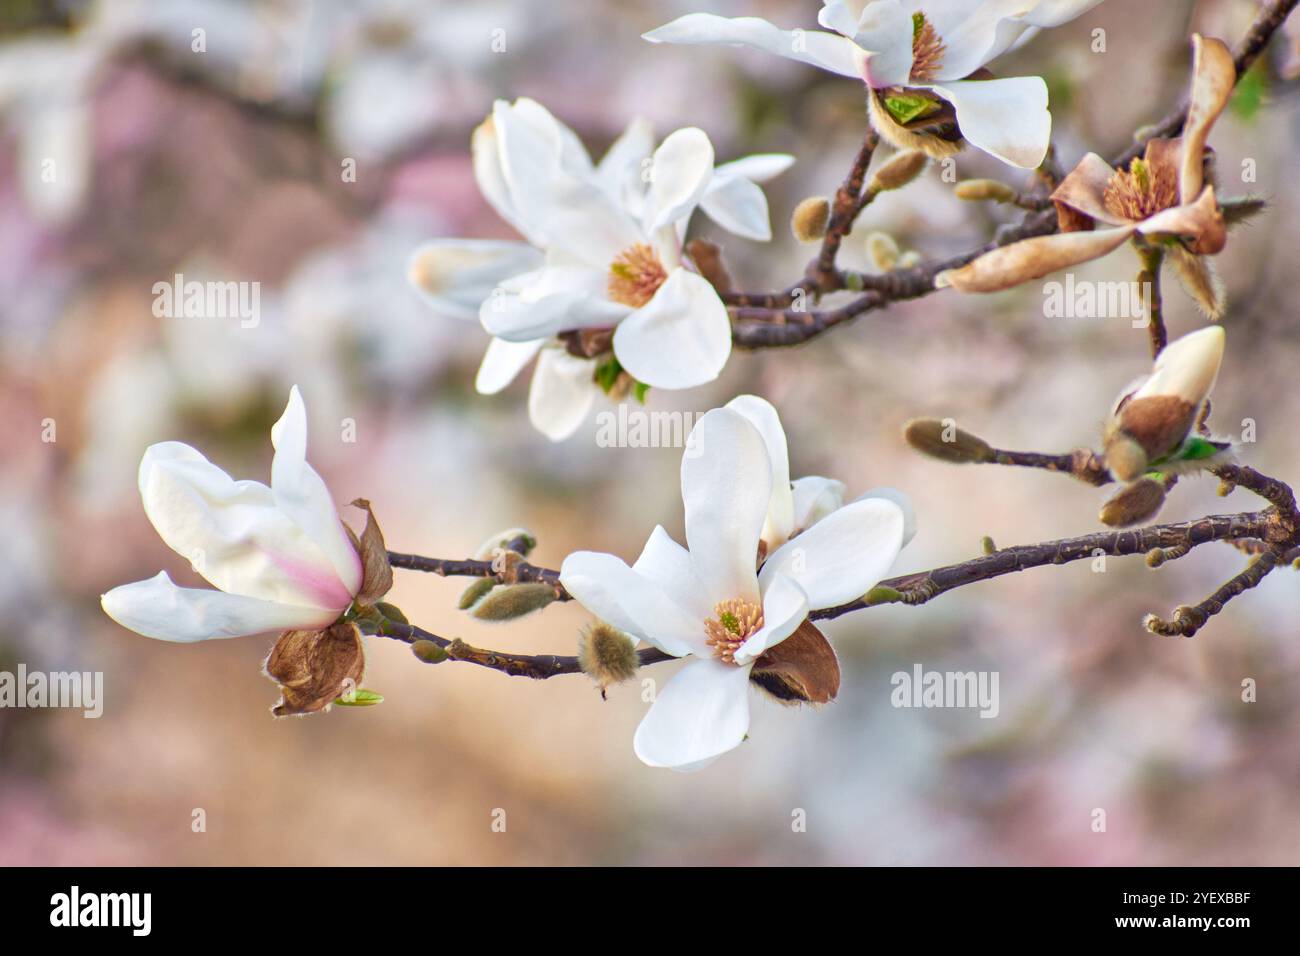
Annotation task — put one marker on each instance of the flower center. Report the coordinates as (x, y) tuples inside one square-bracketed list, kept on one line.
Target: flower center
[(927, 49), (1141, 191), (734, 623), (635, 275)]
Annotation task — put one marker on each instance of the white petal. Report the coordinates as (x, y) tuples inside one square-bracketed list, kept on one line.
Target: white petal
[(158, 608), (301, 494), (759, 412), (562, 393), (825, 50), (844, 555), (1052, 13), (632, 602), (680, 338), (233, 532), (784, 608), (699, 714), (619, 170), (680, 172), (559, 208), (485, 153), (502, 362), (548, 301), (758, 168), (1188, 367), (904, 502), (841, 16), (885, 33), (975, 33), (739, 206), (456, 275), (1005, 118), (669, 565), (726, 488), (814, 498)]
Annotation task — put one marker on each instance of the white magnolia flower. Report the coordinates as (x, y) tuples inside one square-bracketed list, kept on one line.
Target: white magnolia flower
[(710, 603), (280, 557), (601, 270), (921, 54)]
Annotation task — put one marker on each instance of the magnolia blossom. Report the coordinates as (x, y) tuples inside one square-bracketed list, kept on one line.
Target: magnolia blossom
[(762, 552), (1154, 418), (921, 60), (600, 287), (280, 557), (1163, 196)]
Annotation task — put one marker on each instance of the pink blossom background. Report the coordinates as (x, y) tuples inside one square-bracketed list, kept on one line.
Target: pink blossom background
[(225, 165)]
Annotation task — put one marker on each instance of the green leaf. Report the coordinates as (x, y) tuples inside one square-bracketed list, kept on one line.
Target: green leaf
[(607, 373), (905, 107), (360, 698), (1249, 94), (640, 391), (1197, 448)]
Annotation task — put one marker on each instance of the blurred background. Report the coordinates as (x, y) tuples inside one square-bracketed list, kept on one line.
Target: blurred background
[(225, 165)]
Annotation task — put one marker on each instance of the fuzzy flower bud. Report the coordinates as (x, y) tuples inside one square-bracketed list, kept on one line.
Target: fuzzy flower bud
[(1134, 503), (810, 219), (985, 190), (607, 655), (900, 170), (514, 601), (945, 441), (883, 250)]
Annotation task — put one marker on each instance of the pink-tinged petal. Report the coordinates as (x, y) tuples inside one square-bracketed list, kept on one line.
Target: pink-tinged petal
[(1084, 189), (680, 338), (1032, 259), (1213, 77), (700, 714), (785, 606), (842, 556), (1201, 222), (828, 51), (159, 609), (232, 532), (883, 36), (301, 494), (760, 413), (726, 489), (632, 602)]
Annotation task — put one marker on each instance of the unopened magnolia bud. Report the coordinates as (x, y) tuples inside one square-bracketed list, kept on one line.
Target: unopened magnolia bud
[(513, 601), (882, 594), (883, 250), (470, 596), (810, 219), (945, 441), (985, 190), (1134, 503), (987, 545), (900, 170), (428, 652), (607, 655), (392, 612), (1125, 457), (909, 260)]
